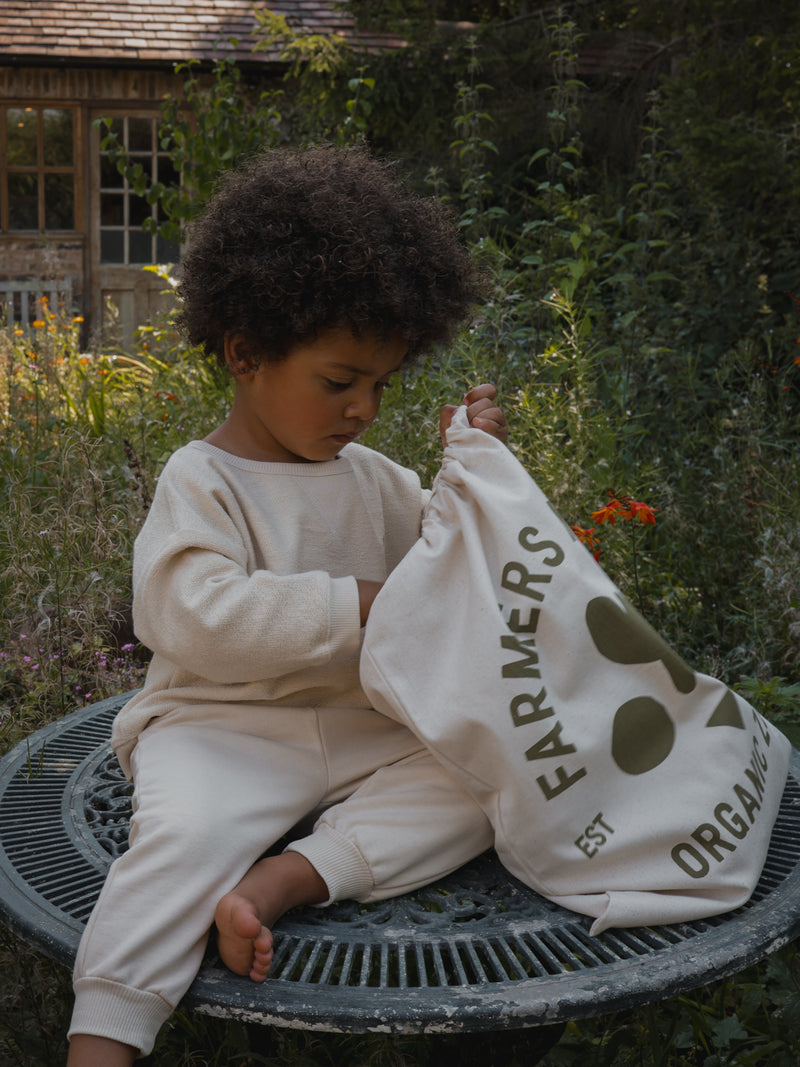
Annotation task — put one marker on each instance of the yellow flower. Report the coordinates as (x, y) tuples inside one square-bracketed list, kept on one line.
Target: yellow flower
[(38, 323)]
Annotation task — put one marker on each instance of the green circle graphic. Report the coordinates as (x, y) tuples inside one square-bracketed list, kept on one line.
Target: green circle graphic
[(642, 736)]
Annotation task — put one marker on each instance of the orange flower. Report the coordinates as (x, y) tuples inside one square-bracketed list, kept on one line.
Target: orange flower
[(625, 508), (609, 513), (643, 512), (38, 323), (587, 537)]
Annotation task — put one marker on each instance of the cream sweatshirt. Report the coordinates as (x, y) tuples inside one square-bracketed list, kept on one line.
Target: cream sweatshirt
[(244, 578)]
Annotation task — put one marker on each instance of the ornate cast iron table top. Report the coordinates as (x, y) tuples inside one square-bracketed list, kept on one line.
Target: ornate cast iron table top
[(475, 951)]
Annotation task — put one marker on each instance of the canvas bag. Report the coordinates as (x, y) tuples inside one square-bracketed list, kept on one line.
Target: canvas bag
[(619, 783)]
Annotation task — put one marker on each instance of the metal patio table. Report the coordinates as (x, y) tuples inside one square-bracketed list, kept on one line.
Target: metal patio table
[(476, 951)]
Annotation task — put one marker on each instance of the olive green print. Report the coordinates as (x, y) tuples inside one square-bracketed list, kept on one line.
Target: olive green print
[(622, 635), (727, 712), (643, 735)]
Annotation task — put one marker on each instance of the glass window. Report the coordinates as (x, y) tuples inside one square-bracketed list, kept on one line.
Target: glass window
[(23, 197), (126, 220), (138, 211), (112, 209), (58, 137), (110, 177), (37, 168), (141, 247), (59, 202), (140, 135), (112, 246), (167, 251), (166, 172), (21, 133)]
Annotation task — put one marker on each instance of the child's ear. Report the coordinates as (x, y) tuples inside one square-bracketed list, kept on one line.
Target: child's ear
[(239, 355)]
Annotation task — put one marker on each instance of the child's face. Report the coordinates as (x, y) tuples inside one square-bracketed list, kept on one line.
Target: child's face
[(308, 406)]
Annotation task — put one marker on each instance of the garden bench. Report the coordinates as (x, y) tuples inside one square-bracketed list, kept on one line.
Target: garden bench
[(477, 951), (20, 300)]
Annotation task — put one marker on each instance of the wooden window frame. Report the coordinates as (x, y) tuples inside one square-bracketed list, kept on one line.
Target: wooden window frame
[(40, 169), (127, 195)]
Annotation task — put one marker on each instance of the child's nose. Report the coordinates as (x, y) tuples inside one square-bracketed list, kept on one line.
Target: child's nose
[(364, 406)]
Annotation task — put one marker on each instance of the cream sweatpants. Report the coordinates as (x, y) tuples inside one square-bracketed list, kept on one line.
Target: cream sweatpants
[(217, 785)]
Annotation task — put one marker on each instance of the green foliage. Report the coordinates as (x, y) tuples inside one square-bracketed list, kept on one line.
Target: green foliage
[(777, 699), (330, 94), (307, 55), (84, 437), (748, 1021), (35, 997)]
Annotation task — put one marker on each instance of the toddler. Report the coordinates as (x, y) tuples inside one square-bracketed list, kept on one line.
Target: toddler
[(314, 276)]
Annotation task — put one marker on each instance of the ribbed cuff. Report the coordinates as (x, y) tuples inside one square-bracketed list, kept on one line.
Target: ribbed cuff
[(108, 1009), (337, 861), (345, 615)]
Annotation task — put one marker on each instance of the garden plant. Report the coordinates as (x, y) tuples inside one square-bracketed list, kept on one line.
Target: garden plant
[(642, 324)]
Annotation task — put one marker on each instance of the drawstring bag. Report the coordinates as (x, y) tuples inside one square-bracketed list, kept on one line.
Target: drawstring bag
[(619, 782)]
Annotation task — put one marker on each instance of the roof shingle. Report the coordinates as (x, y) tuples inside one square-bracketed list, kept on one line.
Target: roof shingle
[(159, 32)]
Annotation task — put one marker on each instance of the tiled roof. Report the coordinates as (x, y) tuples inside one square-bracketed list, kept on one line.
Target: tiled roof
[(152, 32)]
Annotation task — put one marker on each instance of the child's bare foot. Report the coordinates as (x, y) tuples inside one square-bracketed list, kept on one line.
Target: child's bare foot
[(244, 916), (244, 944)]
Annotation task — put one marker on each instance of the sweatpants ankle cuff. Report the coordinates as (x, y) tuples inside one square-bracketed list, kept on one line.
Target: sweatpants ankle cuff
[(108, 1009), (338, 862)]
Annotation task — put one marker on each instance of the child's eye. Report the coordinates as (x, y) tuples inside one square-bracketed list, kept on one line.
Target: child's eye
[(336, 386)]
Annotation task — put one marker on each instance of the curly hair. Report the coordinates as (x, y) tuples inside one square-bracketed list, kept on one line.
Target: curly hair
[(300, 241)]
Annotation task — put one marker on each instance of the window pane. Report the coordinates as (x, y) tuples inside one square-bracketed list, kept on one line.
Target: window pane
[(112, 209), (139, 211), (57, 138), (110, 177), (141, 245), (167, 174), (21, 126), (118, 128), (112, 246), (140, 135), (167, 251), (23, 202), (59, 202), (146, 163)]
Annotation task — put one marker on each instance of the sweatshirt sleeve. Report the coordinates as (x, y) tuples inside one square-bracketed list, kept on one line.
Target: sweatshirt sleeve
[(196, 604)]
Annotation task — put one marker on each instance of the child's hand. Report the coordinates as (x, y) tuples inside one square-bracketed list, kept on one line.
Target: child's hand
[(481, 413)]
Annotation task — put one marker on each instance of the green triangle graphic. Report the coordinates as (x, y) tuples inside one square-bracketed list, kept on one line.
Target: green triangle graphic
[(727, 712)]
